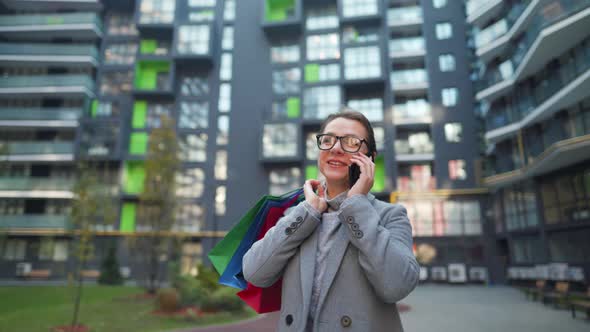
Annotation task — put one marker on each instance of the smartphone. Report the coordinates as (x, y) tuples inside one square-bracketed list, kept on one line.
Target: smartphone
[(354, 171)]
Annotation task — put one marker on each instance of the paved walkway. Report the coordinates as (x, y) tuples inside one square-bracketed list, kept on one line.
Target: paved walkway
[(437, 308)]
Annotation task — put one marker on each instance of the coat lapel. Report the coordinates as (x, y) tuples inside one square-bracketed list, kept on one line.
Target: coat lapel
[(307, 267), (333, 263)]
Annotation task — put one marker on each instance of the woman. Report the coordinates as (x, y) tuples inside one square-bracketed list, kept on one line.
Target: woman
[(345, 257)]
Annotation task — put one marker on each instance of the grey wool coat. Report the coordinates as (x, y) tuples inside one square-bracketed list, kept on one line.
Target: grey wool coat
[(369, 268)]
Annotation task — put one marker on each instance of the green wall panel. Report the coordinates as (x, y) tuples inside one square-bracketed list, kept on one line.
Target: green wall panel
[(146, 73), (139, 114), (94, 108), (134, 177), (312, 73), (128, 218), (138, 143), (276, 10), (311, 172), (148, 46), (293, 107), (379, 184)]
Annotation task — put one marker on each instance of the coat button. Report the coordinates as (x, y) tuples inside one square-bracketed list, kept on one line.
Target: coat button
[(289, 231), (358, 234), (354, 227), (345, 321), (289, 319), (299, 219), (350, 219), (294, 225)]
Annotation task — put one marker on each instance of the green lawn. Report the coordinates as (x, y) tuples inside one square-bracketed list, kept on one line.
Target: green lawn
[(38, 308)]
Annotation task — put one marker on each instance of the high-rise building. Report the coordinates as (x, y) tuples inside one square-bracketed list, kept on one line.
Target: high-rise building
[(248, 84)]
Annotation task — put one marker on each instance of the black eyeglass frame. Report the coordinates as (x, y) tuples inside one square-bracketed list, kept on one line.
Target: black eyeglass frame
[(338, 138)]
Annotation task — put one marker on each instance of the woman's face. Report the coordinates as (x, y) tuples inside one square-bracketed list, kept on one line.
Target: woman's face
[(334, 163)]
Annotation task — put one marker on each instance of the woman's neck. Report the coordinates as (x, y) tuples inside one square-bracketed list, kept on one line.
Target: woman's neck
[(335, 189)]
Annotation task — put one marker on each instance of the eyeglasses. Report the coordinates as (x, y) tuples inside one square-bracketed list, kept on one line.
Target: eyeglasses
[(349, 143)]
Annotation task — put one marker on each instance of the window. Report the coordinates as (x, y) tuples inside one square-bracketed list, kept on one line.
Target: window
[(446, 62), (404, 15), (157, 11), (372, 108), (417, 177), (121, 25), (323, 47), (439, 3), (284, 53), (14, 250), (46, 249), (362, 62), (225, 72), (229, 12), (453, 132), (570, 246), (220, 196), (526, 249), (320, 73), (443, 30), (221, 165), (193, 39), (105, 109), (120, 53), (60, 250), (457, 169), (284, 180), (193, 115), (409, 77), (286, 81), (227, 43), (520, 207), (354, 8), (319, 102), (190, 183), (114, 83), (444, 218), (201, 15), (193, 147), (201, 3), (222, 130), (194, 86), (354, 35), (413, 142), (321, 18), (155, 113), (279, 140), (189, 218), (449, 96), (224, 103)]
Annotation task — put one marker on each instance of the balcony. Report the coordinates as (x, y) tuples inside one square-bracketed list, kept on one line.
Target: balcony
[(40, 151), (537, 46), (153, 77), (78, 26), (409, 80), (405, 18), (560, 90), (47, 85), (36, 5), (40, 117), (282, 17), (48, 55), (35, 183), (418, 147), (479, 11), (416, 112), (37, 222), (407, 49)]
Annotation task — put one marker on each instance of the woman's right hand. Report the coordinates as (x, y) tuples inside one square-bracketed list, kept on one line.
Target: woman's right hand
[(317, 201)]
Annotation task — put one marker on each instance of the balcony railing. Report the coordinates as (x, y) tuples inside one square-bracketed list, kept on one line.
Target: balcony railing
[(404, 16), (525, 103), (408, 184), (409, 78), (404, 147), (39, 148), (35, 221), (412, 112), (506, 70), (47, 84), (34, 22), (40, 114), (406, 47), (48, 52), (32, 183)]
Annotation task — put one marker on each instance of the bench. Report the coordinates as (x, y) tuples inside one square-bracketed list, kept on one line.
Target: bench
[(558, 296), (535, 292), (580, 302), (38, 274), (93, 274)]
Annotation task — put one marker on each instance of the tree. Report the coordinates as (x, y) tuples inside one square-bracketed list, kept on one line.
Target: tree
[(109, 272), (157, 202), (91, 206)]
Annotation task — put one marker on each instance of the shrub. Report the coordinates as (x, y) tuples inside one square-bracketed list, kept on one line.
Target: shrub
[(167, 300), (109, 271), (191, 290), (223, 299)]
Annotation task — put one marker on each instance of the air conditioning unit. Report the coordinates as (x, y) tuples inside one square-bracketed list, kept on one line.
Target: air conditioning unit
[(478, 274), (457, 273), (439, 273), (23, 269), (423, 273)]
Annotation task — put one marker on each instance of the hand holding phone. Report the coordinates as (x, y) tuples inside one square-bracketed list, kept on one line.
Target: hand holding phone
[(317, 201), (361, 174)]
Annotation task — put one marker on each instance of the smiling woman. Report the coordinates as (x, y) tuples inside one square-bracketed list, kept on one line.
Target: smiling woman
[(345, 257)]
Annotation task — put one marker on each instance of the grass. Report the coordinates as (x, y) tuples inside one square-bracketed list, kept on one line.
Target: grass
[(103, 308)]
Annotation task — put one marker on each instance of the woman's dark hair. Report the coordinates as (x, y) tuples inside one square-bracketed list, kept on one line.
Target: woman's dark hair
[(350, 114)]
